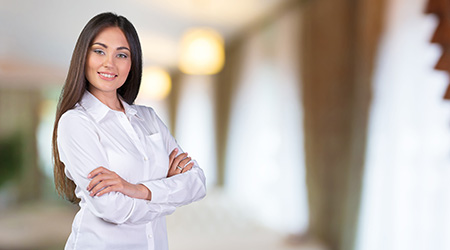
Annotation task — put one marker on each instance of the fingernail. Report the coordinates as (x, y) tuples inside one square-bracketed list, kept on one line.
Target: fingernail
[(89, 175), (176, 149)]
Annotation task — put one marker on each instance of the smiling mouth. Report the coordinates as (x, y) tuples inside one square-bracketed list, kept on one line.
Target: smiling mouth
[(107, 76)]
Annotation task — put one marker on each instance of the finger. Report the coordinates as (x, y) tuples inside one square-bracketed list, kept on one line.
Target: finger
[(100, 186), (97, 171), (96, 180), (106, 190), (99, 178), (173, 172), (184, 162), (172, 156), (177, 160), (187, 167)]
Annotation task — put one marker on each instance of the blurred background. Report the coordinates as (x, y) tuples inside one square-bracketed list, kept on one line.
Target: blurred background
[(320, 124)]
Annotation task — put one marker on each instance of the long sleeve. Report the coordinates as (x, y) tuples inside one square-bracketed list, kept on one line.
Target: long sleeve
[(81, 152), (180, 189)]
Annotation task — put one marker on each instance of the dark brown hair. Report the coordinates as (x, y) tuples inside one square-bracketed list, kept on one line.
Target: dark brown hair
[(76, 83)]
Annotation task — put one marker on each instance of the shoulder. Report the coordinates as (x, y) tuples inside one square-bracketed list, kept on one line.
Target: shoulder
[(76, 128), (150, 115), (142, 108), (74, 115), (75, 119), (144, 111)]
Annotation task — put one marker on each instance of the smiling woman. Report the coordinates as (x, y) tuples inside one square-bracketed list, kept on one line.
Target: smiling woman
[(116, 159), (108, 64)]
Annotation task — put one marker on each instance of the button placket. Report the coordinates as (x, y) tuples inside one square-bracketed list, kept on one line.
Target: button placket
[(149, 233), (126, 124)]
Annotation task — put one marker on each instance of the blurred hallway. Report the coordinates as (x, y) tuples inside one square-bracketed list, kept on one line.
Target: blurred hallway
[(324, 130), (200, 226)]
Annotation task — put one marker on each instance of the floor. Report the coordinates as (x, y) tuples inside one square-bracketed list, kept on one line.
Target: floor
[(213, 223)]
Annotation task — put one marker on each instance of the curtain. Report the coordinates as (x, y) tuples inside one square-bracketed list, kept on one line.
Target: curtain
[(340, 38), (265, 161), (195, 122), (405, 200)]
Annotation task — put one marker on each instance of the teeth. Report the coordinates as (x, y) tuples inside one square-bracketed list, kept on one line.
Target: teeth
[(107, 75)]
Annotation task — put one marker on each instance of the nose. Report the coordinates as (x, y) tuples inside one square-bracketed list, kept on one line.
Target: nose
[(108, 61)]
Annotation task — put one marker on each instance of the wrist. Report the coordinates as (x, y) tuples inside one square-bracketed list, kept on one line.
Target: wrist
[(146, 194)]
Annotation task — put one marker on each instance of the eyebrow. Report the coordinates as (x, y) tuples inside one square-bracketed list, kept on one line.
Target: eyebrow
[(118, 48)]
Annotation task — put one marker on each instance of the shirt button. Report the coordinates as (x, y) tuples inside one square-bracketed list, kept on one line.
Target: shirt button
[(145, 158), (150, 236)]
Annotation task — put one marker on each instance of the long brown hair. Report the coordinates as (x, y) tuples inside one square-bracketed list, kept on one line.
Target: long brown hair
[(76, 83)]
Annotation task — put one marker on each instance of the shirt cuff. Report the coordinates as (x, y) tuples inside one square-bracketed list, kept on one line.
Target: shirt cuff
[(160, 192)]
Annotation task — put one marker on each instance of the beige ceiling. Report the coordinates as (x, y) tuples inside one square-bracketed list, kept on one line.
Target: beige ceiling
[(38, 36)]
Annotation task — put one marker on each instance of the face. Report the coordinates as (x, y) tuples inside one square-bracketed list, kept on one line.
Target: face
[(108, 62)]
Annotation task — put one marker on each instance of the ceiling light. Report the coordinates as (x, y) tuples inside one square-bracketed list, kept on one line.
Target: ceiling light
[(202, 52), (156, 83)]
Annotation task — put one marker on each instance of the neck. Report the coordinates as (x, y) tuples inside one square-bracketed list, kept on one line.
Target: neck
[(110, 99)]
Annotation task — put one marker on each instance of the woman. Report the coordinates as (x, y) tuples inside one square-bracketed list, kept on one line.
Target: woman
[(116, 159)]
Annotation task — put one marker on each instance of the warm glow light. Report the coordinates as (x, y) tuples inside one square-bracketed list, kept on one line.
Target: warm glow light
[(202, 52), (156, 83)]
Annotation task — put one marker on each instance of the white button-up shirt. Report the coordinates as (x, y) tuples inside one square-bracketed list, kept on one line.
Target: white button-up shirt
[(136, 146)]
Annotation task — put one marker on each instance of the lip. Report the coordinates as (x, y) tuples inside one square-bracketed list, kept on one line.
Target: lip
[(107, 76)]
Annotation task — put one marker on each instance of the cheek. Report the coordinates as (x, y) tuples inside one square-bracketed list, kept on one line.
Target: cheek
[(126, 69), (90, 69), (93, 62), (128, 66), (90, 65)]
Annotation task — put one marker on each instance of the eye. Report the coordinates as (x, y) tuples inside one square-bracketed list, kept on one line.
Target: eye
[(98, 51), (122, 55)]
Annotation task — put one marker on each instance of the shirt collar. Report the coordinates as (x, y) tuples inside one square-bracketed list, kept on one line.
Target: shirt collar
[(98, 110), (129, 109)]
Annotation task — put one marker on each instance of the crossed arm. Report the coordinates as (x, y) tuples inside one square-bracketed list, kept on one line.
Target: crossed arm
[(105, 181), (116, 200)]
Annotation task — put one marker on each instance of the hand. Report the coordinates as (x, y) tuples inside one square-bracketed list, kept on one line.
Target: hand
[(105, 181), (177, 162)]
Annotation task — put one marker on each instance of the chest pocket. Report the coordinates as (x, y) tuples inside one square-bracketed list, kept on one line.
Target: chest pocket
[(159, 158)]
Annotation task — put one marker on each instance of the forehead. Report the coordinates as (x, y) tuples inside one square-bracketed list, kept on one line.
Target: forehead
[(112, 36)]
